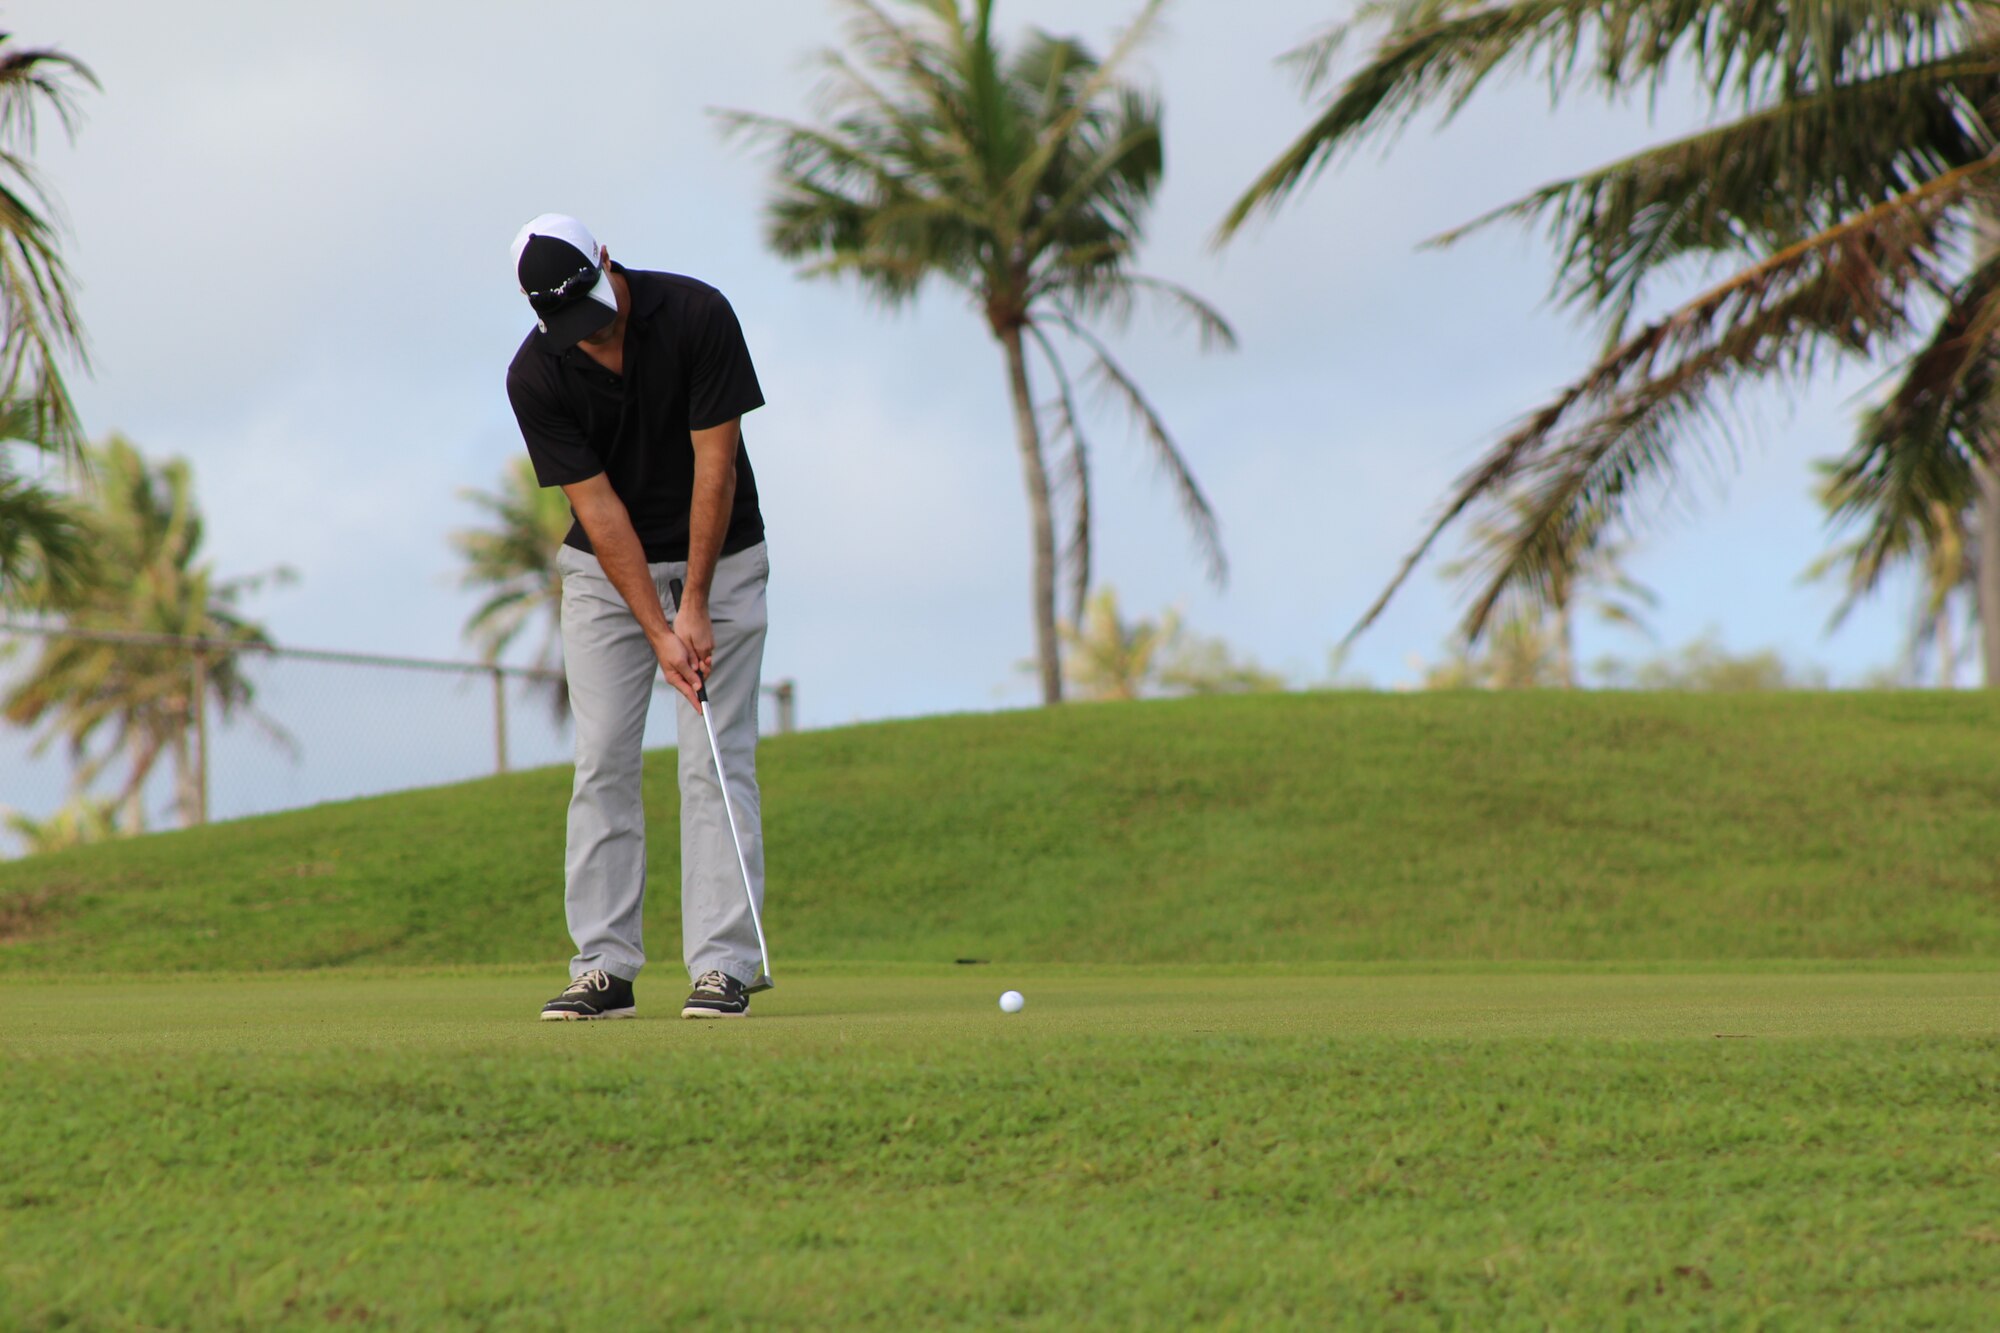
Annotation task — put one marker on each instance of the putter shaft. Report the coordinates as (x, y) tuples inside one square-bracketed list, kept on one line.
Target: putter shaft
[(729, 808)]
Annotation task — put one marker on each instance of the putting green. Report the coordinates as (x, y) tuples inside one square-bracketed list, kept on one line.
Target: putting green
[(883, 1148)]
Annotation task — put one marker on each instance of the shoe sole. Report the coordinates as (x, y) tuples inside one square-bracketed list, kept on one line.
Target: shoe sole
[(562, 1016), (695, 1012)]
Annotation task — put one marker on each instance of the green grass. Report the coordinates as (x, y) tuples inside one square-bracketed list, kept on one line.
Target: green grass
[(1142, 1148), (1314, 828), (1343, 1012)]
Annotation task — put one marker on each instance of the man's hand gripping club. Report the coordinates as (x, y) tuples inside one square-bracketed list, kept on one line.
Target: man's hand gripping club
[(677, 664)]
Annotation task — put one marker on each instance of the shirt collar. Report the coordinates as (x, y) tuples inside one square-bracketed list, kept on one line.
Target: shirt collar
[(647, 290)]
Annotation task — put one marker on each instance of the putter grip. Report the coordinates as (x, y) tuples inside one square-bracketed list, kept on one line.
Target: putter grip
[(701, 690)]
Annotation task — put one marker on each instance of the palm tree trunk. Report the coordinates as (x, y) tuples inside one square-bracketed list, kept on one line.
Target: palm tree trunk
[(132, 800), (184, 798), (1035, 473), (1987, 509)]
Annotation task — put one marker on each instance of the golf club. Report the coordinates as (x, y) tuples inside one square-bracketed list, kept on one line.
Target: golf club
[(729, 811)]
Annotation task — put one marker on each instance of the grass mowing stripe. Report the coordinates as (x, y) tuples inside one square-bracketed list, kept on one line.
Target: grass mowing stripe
[(923, 1007), (1131, 1152)]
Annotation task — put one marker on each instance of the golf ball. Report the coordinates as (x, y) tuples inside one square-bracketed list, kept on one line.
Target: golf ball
[(1011, 1001)]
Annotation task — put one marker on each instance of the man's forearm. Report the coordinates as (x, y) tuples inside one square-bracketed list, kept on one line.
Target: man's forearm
[(619, 551), (623, 559), (710, 508)]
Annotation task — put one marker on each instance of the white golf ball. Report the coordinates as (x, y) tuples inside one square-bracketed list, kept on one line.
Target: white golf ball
[(1011, 1001)]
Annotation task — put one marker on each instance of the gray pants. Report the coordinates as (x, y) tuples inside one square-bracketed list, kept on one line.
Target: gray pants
[(612, 671)]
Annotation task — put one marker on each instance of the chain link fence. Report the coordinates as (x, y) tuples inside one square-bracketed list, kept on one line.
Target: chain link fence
[(317, 726)]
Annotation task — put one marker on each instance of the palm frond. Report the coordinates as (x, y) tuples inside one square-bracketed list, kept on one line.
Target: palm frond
[(35, 77), (1195, 509), (929, 66), (1758, 183), (831, 163), (1076, 473), (1845, 291), (1055, 135), (1131, 161), (47, 558), (1909, 473), (41, 325), (1440, 52), (1113, 297)]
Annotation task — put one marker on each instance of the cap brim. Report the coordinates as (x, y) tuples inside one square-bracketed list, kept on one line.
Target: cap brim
[(580, 318)]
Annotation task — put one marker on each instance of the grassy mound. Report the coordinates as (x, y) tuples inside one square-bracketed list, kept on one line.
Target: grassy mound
[(1313, 828)]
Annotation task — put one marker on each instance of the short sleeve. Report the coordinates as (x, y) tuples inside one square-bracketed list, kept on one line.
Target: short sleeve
[(556, 442), (722, 384)]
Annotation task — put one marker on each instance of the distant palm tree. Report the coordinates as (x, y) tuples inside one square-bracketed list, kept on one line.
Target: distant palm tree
[(36, 307), (1021, 180), (1584, 570), (516, 559), (147, 532), (83, 819), (1845, 193), (1520, 651), (1111, 658)]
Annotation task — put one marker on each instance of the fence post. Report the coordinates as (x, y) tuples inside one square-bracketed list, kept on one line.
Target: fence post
[(499, 721), (786, 692), (200, 811)]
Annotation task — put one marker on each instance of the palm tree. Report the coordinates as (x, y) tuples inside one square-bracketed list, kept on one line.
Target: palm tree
[(1108, 657), (39, 314), (1521, 652), (1023, 181), (1844, 190), (83, 819), (147, 532), (1111, 658), (516, 559)]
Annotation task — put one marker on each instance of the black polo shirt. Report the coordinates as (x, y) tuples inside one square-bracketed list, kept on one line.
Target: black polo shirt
[(686, 369)]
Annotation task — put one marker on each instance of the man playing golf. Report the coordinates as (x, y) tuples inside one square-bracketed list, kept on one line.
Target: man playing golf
[(630, 392)]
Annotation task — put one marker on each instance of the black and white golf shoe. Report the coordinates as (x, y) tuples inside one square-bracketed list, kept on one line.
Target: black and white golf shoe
[(595, 994), (717, 995)]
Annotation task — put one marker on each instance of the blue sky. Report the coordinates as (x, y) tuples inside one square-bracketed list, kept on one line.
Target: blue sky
[(289, 225)]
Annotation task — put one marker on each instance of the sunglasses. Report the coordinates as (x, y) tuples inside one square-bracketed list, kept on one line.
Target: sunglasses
[(555, 298)]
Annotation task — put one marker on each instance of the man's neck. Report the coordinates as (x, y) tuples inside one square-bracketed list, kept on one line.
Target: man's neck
[(611, 355)]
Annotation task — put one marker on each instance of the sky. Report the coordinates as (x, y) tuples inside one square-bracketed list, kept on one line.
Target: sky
[(289, 229)]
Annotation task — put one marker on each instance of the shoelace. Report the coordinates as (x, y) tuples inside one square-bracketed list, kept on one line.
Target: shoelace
[(589, 981), (713, 981)]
